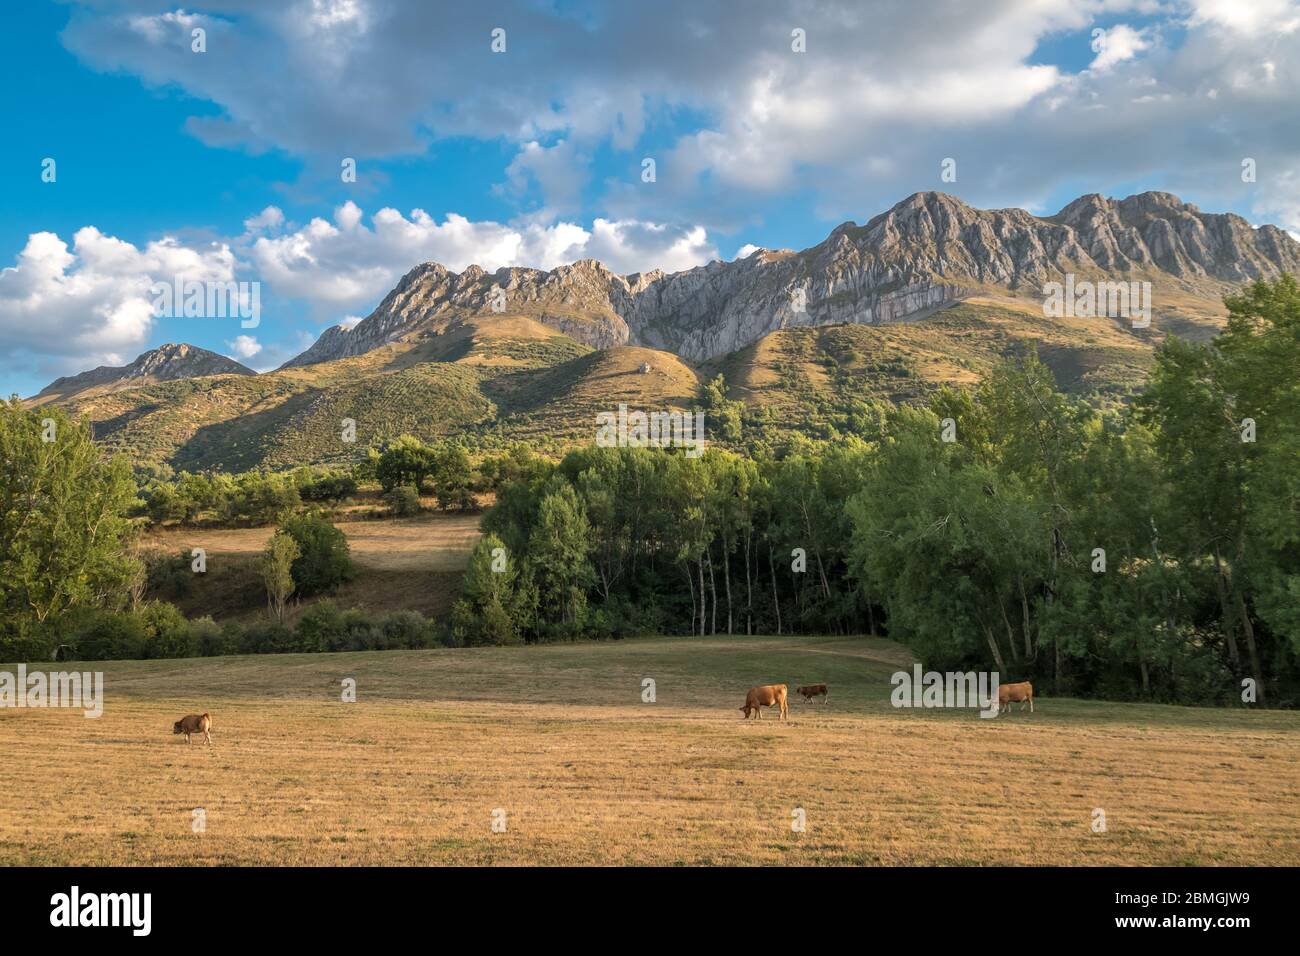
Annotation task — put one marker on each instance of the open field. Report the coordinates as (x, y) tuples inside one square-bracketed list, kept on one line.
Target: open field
[(402, 564), (559, 739)]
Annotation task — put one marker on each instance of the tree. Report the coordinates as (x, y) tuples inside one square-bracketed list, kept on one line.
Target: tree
[(557, 553), (452, 477), (277, 572), (324, 560), (490, 609), (407, 461), (63, 519)]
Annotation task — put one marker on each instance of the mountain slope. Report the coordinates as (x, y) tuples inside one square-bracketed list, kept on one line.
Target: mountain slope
[(930, 293), (164, 364), (928, 251)]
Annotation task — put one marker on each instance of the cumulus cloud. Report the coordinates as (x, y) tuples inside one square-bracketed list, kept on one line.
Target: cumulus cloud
[(343, 263), (883, 93), (91, 304), (1119, 43), (244, 346)]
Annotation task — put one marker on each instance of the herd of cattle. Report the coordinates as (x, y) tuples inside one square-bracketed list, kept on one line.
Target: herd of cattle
[(775, 695), (767, 695)]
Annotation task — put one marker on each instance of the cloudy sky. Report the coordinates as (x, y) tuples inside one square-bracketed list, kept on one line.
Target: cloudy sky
[(227, 163)]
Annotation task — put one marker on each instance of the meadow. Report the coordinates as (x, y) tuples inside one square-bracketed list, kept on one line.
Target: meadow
[(401, 563), (559, 739)]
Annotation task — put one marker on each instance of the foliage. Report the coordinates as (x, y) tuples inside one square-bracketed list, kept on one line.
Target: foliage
[(63, 520), (324, 560)]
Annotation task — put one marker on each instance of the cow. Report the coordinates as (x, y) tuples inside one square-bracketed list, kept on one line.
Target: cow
[(1011, 693), (194, 724), (767, 695), (810, 691)]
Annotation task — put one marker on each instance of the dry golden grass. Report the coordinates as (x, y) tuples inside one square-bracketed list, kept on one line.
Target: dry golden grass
[(402, 564), (559, 739), (428, 542)]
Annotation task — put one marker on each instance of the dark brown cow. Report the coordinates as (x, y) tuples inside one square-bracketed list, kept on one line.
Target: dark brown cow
[(810, 691), (194, 724), (767, 695)]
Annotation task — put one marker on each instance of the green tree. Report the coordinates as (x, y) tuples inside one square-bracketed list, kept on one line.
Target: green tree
[(324, 559), (277, 572), (558, 550), (452, 477), (63, 519)]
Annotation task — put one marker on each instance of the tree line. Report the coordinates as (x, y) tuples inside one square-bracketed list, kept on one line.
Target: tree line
[(1151, 551)]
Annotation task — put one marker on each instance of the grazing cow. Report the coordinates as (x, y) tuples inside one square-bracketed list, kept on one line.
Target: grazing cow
[(766, 696), (194, 724), (812, 690), (1011, 693)]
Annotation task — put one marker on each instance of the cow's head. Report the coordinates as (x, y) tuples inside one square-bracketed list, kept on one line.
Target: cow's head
[(176, 727)]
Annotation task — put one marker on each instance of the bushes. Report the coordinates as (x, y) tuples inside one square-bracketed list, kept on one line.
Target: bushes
[(323, 561), (402, 501), (332, 488), (159, 630), (324, 627)]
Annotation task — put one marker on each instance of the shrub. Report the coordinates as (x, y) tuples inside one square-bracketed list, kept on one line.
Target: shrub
[(331, 488), (321, 628), (166, 632), (323, 561), (402, 501)]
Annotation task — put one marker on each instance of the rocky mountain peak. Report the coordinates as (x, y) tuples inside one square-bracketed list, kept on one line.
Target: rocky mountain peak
[(928, 250), (174, 360)]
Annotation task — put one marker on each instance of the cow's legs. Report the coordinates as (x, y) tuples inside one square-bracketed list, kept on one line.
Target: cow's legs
[(1031, 705)]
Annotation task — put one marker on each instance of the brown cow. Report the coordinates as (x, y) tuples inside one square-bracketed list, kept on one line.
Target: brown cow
[(766, 696), (1011, 693), (194, 724), (812, 690)]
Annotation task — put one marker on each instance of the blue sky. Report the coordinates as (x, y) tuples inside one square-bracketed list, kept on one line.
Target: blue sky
[(225, 164)]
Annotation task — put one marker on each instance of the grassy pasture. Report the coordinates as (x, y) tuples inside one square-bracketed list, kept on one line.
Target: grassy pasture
[(402, 563), (558, 737)]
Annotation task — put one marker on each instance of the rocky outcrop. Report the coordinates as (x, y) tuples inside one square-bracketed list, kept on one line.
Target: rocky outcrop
[(163, 364), (929, 250)]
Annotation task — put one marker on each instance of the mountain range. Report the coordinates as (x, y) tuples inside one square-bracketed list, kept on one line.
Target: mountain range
[(930, 292)]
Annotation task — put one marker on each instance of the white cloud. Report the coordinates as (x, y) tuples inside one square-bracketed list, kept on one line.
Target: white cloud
[(272, 217), (244, 346), (91, 304), (560, 172), (1249, 17), (345, 264), (732, 115), (1121, 42)]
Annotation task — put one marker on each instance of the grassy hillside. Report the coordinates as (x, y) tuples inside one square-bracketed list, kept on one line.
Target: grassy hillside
[(558, 737), (501, 378), (800, 368)]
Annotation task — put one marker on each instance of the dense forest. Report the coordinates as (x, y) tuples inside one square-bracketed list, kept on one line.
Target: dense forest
[(1148, 551)]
